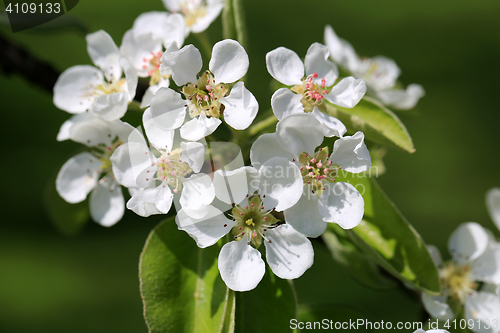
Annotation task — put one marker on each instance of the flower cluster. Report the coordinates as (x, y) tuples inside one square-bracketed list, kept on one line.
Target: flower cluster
[(285, 191)]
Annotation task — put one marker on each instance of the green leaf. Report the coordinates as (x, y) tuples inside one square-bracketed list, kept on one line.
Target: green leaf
[(267, 308), (354, 260), (379, 124), (389, 240), (69, 219), (180, 284)]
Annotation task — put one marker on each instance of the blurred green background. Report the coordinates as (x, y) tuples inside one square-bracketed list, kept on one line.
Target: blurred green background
[(50, 282)]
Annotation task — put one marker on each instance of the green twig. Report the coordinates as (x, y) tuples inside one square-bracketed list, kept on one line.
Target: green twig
[(239, 22), (228, 31), (205, 43), (262, 125)]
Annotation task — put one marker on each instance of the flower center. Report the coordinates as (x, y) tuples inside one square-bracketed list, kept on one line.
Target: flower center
[(205, 96), (252, 221), (192, 10), (170, 168), (312, 93), (457, 280), (317, 169), (153, 66), (103, 152), (112, 87)]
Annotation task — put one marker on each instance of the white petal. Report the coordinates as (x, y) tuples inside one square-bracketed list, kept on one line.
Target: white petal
[(184, 64), (281, 183), (402, 99), (299, 133), (285, 66), (241, 266), (168, 109), (486, 268), (207, 230), (193, 153), (74, 89), (331, 125), (266, 147), (156, 135), (107, 204), (91, 131), (229, 61), (347, 93), (435, 255), (200, 127), (351, 154), (437, 307), (380, 73), (289, 253), (197, 193), (341, 203), (173, 5), (241, 107), (284, 103), (104, 54), (163, 199), (341, 51), (77, 177), (129, 161), (151, 91), (64, 131), (484, 309), (493, 205), (174, 28), (130, 77), (138, 49), (468, 242), (317, 62), (150, 25), (212, 12), (142, 202), (304, 216), (111, 107), (233, 186), (121, 129)]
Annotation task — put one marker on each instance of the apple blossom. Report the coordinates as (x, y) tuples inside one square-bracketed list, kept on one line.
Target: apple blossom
[(476, 260), (198, 14), (297, 138), (160, 173), (274, 187), (85, 88), (91, 171), (310, 91), (208, 97), (153, 33), (380, 73)]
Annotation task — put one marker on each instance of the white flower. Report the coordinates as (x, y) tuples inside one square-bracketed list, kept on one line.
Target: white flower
[(159, 174), (476, 258), (324, 200), (85, 88), (91, 171), (208, 97), (493, 205), (144, 44), (198, 14), (380, 73), (259, 193), (312, 89)]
